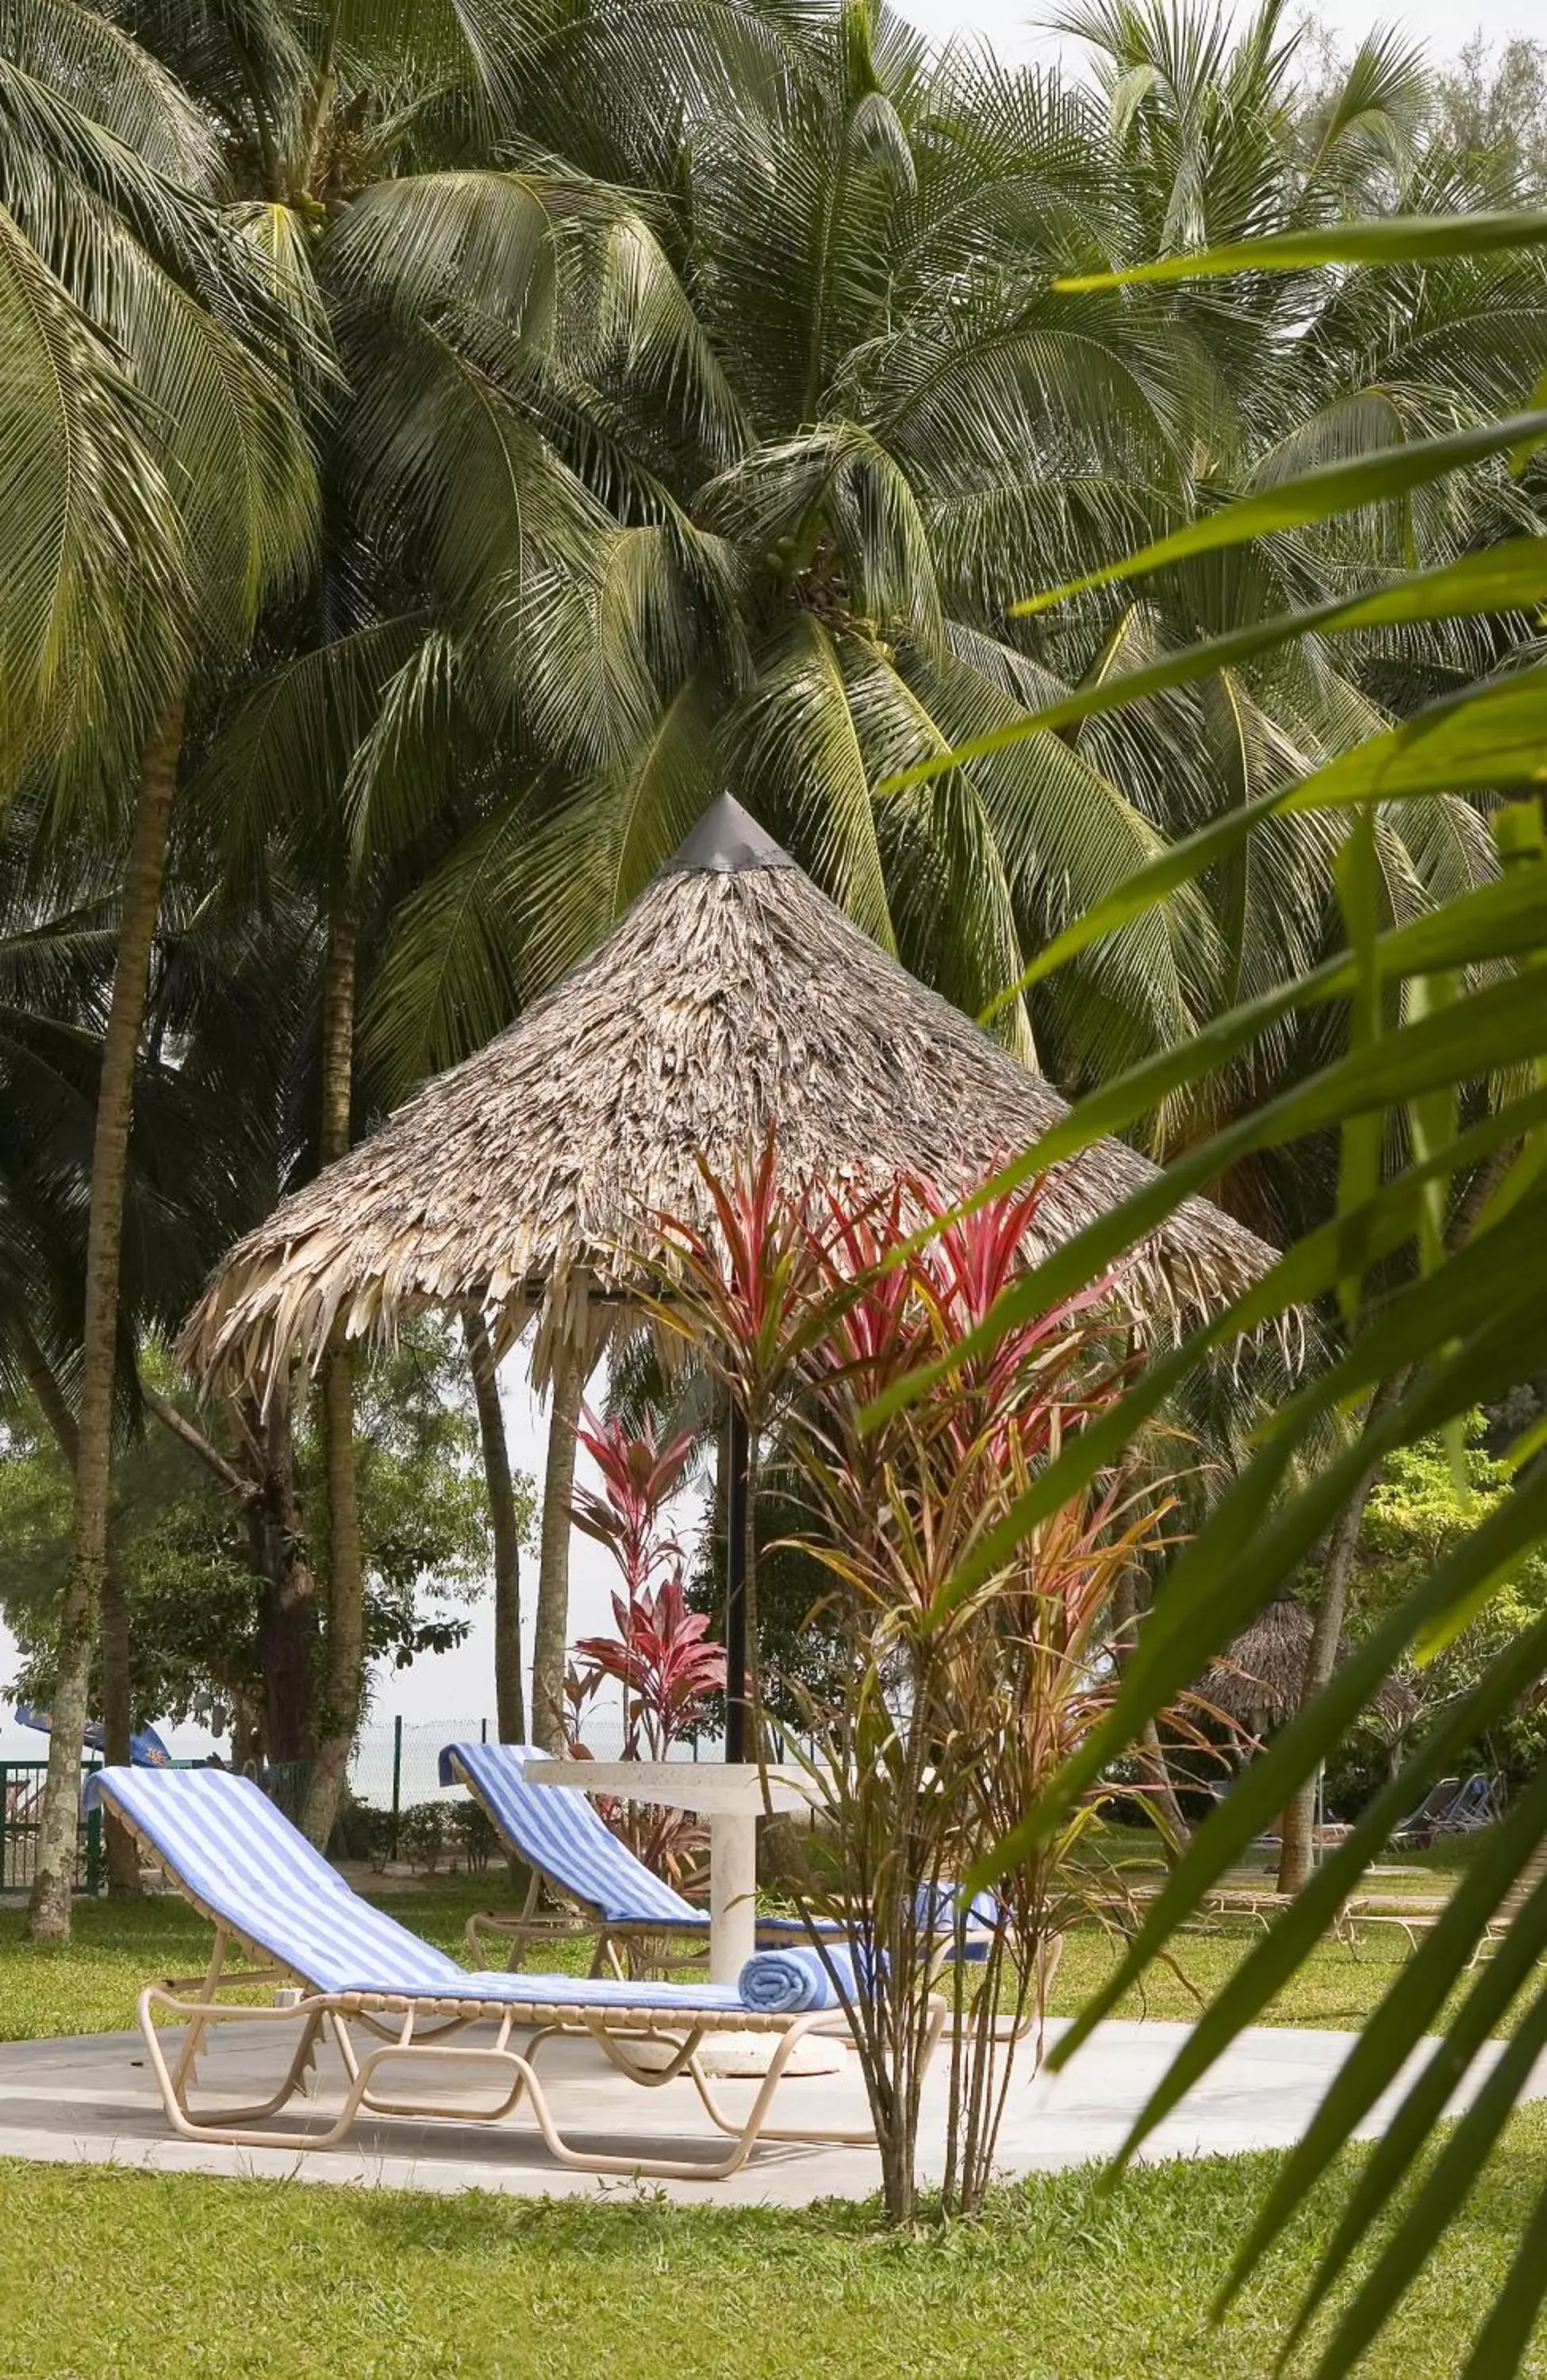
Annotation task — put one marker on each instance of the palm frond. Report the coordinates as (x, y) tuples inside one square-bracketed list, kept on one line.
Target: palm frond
[(602, 841), (792, 742), (276, 771), (89, 529), (448, 980), (103, 74)]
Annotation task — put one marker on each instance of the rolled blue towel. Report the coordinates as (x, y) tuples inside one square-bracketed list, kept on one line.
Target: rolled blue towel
[(789, 1983), (938, 1911)]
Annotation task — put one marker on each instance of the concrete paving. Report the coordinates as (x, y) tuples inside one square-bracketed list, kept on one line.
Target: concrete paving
[(91, 2099)]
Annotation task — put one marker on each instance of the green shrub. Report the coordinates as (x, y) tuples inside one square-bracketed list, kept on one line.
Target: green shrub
[(362, 1832), (421, 1832), (475, 1835)]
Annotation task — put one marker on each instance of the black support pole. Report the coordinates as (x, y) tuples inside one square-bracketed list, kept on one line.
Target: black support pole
[(738, 1488)]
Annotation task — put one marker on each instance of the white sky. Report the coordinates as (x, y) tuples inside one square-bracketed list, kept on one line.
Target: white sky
[(460, 1685), (1010, 26), (457, 1687)]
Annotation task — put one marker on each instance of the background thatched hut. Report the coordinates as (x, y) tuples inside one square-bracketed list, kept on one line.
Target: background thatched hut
[(733, 1000), (1260, 1676)]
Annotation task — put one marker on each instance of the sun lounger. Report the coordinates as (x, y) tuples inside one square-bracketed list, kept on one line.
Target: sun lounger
[(572, 1851), (1471, 1810), (266, 1890), (563, 1839), (613, 1898), (1419, 1825), (1412, 1913)]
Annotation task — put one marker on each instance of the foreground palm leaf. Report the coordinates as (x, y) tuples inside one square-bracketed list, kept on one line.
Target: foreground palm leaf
[(1445, 1064)]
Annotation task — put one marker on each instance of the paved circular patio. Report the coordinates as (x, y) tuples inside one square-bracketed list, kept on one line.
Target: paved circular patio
[(90, 2098)]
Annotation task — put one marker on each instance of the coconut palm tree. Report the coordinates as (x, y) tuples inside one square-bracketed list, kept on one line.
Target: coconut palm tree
[(330, 130), (865, 419), (154, 326), (1219, 148), (735, 532), (738, 482), (864, 422), (59, 920), (734, 477), (839, 367), (1431, 1264)]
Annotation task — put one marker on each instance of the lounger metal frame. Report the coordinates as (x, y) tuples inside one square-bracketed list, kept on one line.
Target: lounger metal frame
[(523, 1929)]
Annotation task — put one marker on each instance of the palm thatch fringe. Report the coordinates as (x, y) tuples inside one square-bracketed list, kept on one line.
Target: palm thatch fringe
[(1260, 1677), (732, 998)]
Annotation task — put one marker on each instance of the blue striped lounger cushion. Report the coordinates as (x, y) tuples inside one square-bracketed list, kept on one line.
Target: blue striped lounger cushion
[(222, 1839), (558, 1829)]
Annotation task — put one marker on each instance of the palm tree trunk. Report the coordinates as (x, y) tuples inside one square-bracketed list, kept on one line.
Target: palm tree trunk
[(551, 1630), (1297, 1825), (509, 1700), (1150, 1751), (49, 1915), (343, 1667), (287, 1625), (122, 1864), (43, 1382)]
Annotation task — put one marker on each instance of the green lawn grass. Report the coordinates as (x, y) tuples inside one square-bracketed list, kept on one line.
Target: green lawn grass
[(90, 1983), (90, 1986), (1337, 1987), (181, 2277), (152, 2275)]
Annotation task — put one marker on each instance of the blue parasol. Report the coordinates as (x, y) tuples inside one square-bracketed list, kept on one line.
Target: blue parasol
[(146, 1748)]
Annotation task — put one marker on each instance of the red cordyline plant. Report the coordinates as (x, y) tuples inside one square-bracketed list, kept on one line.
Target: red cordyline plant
[(659, 1657), (639, 1480), (972, 1677)]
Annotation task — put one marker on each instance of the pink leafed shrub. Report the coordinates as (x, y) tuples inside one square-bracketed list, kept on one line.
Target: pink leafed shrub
[(660, 1655), (665, 1665), (977, 1651)]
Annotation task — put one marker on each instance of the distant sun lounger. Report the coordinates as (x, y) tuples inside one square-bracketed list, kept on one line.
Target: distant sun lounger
[(621, 1904), (610, 1897)]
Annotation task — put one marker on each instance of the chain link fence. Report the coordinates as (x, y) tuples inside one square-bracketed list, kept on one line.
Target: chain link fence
[(400, 1807), (395, 1769), (397, 1762), (22, 1798)]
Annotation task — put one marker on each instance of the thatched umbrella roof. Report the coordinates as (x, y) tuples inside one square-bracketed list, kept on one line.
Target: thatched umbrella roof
[(1260, 1676), (732, 998)]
